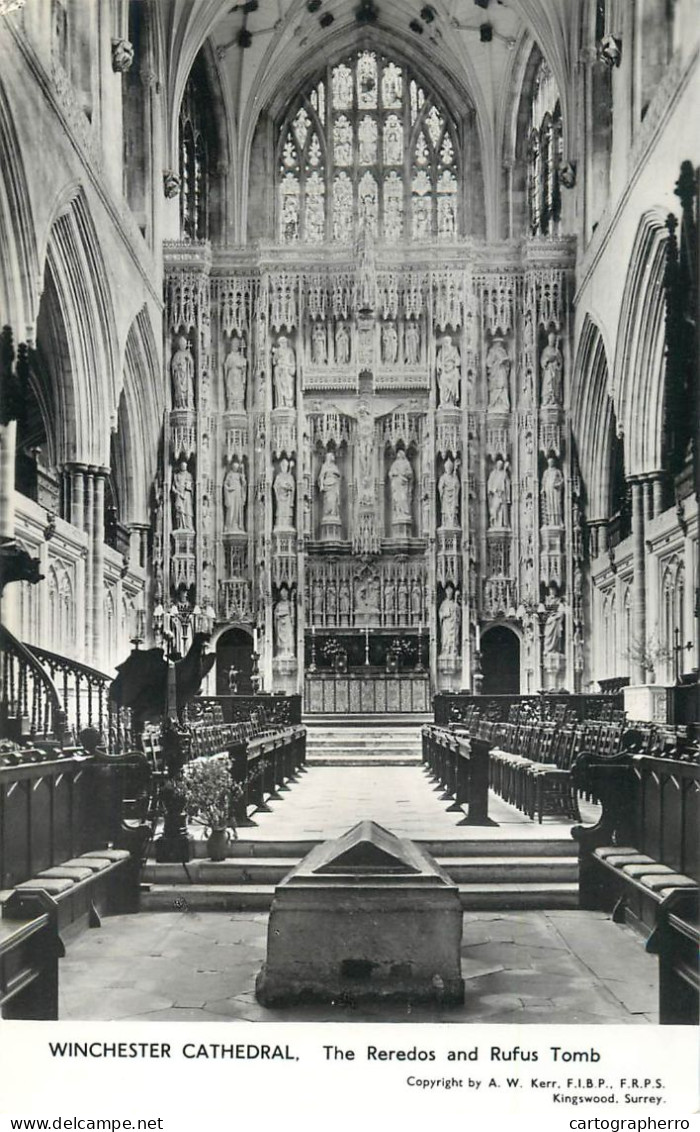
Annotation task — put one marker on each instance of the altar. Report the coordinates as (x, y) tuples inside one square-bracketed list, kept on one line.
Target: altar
[(366, 691)]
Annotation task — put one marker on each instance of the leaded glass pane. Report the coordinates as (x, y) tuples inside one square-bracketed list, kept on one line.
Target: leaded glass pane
[(393, 207), (393, 141), (447, 153), (315, 209), (392, 87), (447, 205), (289, 153), (342, 87), (301, 126), (342, 141), (367, 138), (367, 81), (417, 100), (342, 208), (367, 202), (314, 155), (289, 223), (434, 125), (318, 101), (422, 153)]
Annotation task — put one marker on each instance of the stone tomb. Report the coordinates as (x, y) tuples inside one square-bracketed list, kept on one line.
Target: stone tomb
[(366, 916)]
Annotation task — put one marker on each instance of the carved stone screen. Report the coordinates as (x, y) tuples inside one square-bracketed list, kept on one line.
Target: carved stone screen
[(368, 460)]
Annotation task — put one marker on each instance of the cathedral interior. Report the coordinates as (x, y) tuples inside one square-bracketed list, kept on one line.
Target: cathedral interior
[(349, 357)]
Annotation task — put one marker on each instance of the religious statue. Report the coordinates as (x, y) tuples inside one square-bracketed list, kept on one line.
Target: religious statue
[(416, 600), (365, 452), (389, 598), (448, 490), (402, 601), (344, 601), (552, 492), (447, 368), (448, 615), (366, 278), (553, 640), (498, 374), (283, 617), (342, 344), (318, 344), (412, 343), (234, 487), (401, 483), (235, 376), (284, 368), (317, 601), (390, 343), (329, 488), (182, 493), (499, 497), (551, 363), (284, 487), (182, 373)]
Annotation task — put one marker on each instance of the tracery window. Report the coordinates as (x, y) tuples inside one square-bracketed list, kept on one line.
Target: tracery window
[(544, 155), (194, 187), (367, 143)]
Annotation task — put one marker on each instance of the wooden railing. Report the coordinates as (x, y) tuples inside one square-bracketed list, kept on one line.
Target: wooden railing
[(29, 701), (456, 707), (85, 694), (280, 711), (46, 696)]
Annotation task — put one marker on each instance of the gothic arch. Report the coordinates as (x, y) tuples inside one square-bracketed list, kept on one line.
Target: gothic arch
[(75, 268), (593, 418), (19, 262), (281, 91), (638, 375), (139, 419)]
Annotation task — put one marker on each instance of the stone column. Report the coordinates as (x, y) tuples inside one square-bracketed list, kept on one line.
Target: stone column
[(639, 579), (647, 486), (8, 443), (658, 493), (88, 499), (76, 473), (97, 554)]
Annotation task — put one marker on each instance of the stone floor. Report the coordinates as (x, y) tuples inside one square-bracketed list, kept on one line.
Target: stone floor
[(522, 967), (326, 801)]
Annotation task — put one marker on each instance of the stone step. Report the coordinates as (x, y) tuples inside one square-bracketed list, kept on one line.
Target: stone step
[(516, 845), (249, 897), (271, 870), (349, 758)]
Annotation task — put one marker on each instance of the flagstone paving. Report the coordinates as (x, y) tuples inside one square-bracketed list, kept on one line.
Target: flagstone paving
[(522, 967)]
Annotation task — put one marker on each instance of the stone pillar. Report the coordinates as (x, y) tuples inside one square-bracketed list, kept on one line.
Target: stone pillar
[(77, 495), (596, 536), (88, 527), (97, 553), (658, 493), (639, 580), (647, 486), (8, 443)]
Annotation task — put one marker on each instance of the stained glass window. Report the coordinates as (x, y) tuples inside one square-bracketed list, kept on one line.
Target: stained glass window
[(193, 164), (544, 154), (367, 143)]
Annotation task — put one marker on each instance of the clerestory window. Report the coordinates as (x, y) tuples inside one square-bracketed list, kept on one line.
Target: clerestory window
[(367, 143)]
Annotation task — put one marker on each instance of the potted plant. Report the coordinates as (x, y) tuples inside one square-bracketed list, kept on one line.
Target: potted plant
[(209, 792), (648, 654)]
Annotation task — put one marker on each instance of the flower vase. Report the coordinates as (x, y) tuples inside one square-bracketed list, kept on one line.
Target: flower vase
[(217, 844)]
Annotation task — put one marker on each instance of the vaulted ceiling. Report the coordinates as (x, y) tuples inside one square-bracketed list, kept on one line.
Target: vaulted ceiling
[(443, 38)]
